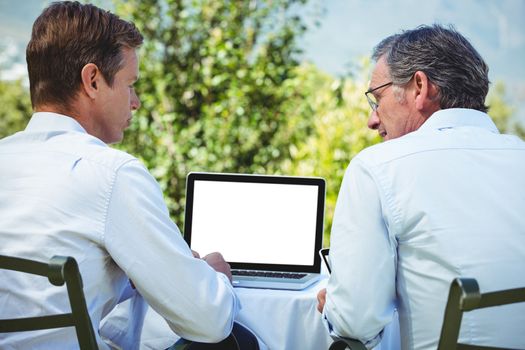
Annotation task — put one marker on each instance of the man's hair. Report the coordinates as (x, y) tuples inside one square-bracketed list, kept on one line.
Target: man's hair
[(67, 36), (446, 57)]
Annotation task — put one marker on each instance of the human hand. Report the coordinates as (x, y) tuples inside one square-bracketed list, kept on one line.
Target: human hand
[(321, 299), (195, 254), (217, 262)]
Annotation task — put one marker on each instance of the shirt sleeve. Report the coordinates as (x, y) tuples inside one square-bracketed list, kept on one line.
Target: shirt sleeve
[(122, 328), (197, 302), (361, 289)]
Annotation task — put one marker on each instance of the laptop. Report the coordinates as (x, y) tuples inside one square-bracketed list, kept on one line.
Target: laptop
[(268, 228)]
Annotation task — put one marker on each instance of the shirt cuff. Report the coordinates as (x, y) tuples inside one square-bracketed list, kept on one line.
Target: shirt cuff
[(238, 305)]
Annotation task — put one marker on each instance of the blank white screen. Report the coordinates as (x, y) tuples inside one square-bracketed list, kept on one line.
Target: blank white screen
[(255, 222)]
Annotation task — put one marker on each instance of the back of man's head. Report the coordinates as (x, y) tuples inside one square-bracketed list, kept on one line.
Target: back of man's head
[(446, 57), (66, 37)]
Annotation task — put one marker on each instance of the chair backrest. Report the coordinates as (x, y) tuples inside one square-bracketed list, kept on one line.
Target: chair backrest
[(465, 296), (348, 344), (60, 270)]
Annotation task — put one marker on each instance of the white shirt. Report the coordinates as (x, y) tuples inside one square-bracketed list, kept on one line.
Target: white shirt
[(64, 192), (413, 213)]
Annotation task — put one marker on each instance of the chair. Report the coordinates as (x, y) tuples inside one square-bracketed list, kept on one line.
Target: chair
[(60, 270), (465, 296), (240, 338), (230, 343), (347, 344)]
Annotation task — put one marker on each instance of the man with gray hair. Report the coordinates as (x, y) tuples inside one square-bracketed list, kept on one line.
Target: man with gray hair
[(443, 197)]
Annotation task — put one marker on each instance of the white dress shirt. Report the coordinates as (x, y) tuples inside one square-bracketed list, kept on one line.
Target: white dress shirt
[(64, 192), (413, 213)]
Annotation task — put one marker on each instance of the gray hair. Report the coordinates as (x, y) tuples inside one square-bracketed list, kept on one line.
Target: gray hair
[(446, 57)]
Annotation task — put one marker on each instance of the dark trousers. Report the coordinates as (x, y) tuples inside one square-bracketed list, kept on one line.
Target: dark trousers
[(240, 338)]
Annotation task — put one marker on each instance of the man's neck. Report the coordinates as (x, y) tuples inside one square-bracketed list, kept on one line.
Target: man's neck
[(74, 111), (53, 109)]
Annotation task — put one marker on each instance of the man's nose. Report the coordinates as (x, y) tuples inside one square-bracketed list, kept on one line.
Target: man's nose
[(373, 121), (135, 102)]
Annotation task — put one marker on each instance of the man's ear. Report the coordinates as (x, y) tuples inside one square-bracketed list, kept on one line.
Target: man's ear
[(425, 92), (91, 79)]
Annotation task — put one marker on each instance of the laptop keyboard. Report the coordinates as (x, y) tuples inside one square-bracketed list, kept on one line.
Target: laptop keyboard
[(293, 275)]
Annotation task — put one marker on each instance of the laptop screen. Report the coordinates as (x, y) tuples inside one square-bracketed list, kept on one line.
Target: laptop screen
[(256, 221)]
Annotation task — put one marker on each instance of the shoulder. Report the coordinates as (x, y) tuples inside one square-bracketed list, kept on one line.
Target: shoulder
[(391, 150), (434, 145), (90, 149), (112, 157)]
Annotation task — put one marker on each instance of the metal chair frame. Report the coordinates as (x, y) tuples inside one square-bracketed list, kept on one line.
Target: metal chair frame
[(464, 295), (347, 344), (60, 270)]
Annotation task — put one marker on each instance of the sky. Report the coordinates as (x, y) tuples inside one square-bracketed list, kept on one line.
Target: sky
[(350, 29)]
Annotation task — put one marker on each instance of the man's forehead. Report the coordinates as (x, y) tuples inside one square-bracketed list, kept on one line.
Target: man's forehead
[(379, 74), (130, 63)]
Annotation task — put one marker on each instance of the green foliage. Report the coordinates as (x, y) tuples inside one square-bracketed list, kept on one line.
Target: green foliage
[(15, 107), (501, 112), (339, 112), (214, 89)]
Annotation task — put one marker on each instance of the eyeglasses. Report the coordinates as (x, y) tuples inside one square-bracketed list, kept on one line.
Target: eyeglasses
[(372, 99)]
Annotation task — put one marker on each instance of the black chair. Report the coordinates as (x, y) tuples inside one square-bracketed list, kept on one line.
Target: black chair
[(347, 344), (230, 343), (465, 296), (60, 270), (239, 339)]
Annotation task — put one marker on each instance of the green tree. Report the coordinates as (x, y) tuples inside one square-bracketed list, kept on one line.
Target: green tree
[(502, 112), (214, 77), (15, 107), (339, 112)]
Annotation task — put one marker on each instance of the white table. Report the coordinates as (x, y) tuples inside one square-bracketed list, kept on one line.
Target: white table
[(282, 320)]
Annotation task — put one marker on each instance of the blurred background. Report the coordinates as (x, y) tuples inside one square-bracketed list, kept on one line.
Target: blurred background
[(267, 86)]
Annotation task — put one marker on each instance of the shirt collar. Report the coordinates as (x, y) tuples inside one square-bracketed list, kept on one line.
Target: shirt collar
[(48, 121), (455, 117)]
